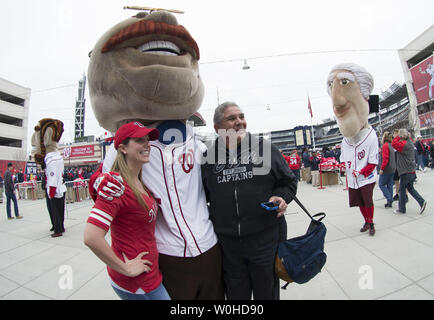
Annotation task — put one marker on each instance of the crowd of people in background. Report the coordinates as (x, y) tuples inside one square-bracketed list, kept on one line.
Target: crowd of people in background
[(84, 173), (305, 163), (424, 153), (309, 159), (69, 174)]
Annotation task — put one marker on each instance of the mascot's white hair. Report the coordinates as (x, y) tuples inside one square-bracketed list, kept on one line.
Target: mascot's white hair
[(363, 77)]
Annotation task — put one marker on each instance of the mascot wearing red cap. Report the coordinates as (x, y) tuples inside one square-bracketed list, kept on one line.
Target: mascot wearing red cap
[(350, 86), (145, 69)]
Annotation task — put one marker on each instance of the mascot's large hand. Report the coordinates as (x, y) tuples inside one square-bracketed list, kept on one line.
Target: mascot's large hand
[(107, 185)]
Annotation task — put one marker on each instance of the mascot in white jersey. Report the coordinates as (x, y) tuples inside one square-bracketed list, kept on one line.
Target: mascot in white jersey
[(350, 86), (44, 142)]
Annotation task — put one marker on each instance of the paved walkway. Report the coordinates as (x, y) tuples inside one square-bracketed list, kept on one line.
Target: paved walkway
[(397, 263)]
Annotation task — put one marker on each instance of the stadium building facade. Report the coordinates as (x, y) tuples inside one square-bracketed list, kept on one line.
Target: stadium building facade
[(14, 111), (418, 67)]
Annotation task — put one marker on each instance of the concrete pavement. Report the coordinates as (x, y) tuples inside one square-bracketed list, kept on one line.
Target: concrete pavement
[(397, 263)]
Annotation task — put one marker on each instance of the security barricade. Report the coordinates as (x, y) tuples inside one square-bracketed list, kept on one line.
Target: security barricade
[(70, 192), (40, 193), (76, 191), (27, 190)]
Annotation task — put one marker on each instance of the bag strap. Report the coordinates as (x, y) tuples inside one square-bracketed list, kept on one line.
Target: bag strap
[(305, 210)]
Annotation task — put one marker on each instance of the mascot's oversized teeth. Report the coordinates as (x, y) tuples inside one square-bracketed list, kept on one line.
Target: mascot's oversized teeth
[(161, 47)]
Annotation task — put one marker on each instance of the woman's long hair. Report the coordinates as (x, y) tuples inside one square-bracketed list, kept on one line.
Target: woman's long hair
[(120, 165), (387, 137)]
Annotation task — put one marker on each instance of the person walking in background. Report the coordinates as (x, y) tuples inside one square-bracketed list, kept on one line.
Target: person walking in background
[(306, 171), (1, 188), (20, 179), (407, 171), (10, 193), (131, 219), (337, 152), (420, 147), (396, 175), (431, 151), (315, 168), (387, 168)]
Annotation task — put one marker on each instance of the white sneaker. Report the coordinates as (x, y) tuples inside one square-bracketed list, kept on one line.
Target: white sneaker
[(422, 208)]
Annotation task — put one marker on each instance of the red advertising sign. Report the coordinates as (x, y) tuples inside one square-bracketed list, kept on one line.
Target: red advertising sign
[(82, 151), (426, 119), (423, 80)]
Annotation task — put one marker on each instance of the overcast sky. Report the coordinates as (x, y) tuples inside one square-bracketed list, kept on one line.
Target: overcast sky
[(290, 47)]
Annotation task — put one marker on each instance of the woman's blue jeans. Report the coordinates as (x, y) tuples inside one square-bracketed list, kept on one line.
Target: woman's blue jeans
[(158, 294), (386, 185)]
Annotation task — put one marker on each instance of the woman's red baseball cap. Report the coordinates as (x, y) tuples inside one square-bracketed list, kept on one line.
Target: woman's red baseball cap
[(134, 130)]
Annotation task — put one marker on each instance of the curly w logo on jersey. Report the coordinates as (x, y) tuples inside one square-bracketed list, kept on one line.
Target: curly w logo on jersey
[(187, 161), (361, 155)]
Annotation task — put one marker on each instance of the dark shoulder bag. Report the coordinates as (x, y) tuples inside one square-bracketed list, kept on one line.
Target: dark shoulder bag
[(302, 258)]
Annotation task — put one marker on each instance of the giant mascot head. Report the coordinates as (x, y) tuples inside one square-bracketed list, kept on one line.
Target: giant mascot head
[(350, 86), (145, 68), (45, 138)]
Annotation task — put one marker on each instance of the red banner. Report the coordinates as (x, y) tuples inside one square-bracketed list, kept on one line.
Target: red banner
[(17, 166), (82, 151), (309, 106), (426, 119), (423, 80)]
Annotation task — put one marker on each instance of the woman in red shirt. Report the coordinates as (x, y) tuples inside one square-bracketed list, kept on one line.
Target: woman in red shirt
[(132, 259)]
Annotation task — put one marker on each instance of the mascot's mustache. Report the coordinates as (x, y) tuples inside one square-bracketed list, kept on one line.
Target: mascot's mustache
[(149, 27)]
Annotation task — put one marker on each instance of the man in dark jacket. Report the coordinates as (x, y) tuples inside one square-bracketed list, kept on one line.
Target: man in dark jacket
[(306, 171), (240, 172), (406, 166), (420, 147), (1, 188), (10, 194)]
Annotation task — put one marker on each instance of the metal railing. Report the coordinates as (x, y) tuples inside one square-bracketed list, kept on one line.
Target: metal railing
[(76, 191)]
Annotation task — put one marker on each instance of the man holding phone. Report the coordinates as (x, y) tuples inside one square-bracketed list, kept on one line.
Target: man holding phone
[(241, 172)]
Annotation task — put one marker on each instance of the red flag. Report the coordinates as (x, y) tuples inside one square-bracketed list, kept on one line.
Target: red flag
[(309, 106)]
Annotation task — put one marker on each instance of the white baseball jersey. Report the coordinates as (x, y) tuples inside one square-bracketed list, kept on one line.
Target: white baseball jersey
[(174, 176), (357, 154), (54, 172)]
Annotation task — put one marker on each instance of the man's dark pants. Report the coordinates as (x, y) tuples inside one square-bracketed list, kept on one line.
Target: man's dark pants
[(248, 265), (11, 196), (58, 213), (48, 203)]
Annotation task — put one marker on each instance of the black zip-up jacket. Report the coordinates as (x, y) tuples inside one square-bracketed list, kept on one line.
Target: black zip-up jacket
[(9, 183), (235, 191)]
